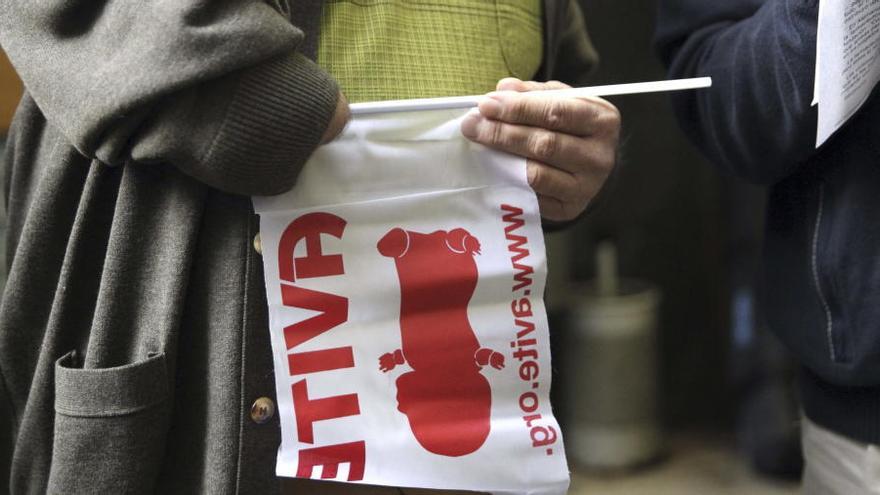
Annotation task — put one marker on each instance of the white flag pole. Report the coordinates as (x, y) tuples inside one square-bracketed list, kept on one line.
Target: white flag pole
[(472, 101)]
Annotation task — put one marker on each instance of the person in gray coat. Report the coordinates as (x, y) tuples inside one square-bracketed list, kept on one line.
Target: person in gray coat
[(134, 343)]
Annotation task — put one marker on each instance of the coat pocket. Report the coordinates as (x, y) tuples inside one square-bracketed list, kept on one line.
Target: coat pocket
[(110, 426)]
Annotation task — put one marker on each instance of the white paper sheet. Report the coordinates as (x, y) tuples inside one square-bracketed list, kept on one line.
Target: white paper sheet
[(847, 63), (401, 234)]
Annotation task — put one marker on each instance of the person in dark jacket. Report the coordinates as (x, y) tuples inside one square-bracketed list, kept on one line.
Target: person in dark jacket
[(821, 275)]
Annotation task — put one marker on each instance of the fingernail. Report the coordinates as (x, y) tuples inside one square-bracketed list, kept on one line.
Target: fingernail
[(469, 125), (490, 107)]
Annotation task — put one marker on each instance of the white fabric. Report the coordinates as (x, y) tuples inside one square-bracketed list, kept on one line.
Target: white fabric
[(836, 465), (393, 193)]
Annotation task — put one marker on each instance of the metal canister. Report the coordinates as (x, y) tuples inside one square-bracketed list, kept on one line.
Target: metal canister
[(611, 375)]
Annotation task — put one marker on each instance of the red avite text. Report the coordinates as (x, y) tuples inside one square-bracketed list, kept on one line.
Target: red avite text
[(525, 344), (332, 311)]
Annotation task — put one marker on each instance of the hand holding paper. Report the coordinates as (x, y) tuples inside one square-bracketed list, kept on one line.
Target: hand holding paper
[(570, 143)]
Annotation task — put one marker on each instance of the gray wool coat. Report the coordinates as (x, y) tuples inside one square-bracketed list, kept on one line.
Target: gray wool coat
[(133, 327)]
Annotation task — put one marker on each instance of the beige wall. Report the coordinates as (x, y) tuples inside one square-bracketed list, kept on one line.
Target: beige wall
[(10, 92)]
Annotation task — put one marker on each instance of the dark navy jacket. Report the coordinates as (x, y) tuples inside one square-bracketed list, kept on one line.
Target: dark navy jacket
[(822, 254)]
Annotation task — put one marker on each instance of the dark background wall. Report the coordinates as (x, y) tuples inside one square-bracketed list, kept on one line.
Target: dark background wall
[(667, 218)]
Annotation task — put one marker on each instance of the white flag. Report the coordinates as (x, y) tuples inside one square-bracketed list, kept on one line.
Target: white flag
[(404, 275)]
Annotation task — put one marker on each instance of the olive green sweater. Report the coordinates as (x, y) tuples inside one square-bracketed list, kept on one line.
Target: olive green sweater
[(379, 50)]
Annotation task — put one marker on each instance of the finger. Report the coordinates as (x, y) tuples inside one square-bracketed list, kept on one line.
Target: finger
[(549, 181), (558, 211), (561, 198), (514, 84), (562, 150), (576, 116)]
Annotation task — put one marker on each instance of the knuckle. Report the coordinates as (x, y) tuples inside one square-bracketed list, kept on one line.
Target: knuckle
[(494, 133), (594, 114), (556, 114), (544, 145)]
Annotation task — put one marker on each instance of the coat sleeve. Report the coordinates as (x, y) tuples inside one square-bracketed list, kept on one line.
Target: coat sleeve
[(570, 56), (216, 88), (756, 120)]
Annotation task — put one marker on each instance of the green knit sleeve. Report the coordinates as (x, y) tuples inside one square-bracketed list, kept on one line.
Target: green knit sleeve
[(396, 49)]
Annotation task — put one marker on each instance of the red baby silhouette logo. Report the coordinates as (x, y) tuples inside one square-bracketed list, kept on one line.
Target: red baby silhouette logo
[(445, 397)]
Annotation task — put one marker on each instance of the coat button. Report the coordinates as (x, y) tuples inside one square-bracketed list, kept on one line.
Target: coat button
[(262, 410), (258, 245)]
